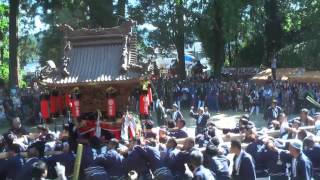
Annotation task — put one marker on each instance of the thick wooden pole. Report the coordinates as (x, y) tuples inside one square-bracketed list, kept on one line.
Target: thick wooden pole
[(77, 163)]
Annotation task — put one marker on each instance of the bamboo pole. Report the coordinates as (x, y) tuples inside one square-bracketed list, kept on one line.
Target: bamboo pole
[(77, 163)]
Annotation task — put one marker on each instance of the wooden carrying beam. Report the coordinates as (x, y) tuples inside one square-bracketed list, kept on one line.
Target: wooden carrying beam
[(272, 133)]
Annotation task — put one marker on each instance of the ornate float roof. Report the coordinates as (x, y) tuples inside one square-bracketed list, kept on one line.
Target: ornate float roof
[(103, 55)]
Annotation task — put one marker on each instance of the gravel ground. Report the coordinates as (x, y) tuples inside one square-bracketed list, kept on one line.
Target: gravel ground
[(222, 119)]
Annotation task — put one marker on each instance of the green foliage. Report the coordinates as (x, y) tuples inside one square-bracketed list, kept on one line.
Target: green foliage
[(221, 27), (4, 28), (4, 21), (28, 50), (172, 20), (233, 33), (302, 34), (162, 15), (4, 72), (254, 29), (77, 14), (252, 54)]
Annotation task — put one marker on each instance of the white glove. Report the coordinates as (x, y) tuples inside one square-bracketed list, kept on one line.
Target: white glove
[(60, 170), (188, 172)]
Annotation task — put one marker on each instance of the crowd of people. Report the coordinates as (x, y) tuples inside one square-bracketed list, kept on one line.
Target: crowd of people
[(24, 103), (235, 95), (168, 152)]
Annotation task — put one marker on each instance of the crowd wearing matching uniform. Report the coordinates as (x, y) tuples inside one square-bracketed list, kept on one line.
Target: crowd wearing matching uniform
[(169, 152)]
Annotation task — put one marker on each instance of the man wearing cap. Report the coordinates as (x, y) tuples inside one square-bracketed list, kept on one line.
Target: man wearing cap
[(312, 151), (175, 113), (272, 112), (201, 120), (301, 165)]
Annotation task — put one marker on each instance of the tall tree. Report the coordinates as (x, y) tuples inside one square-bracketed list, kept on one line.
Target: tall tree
[(121, 7), (13, 43), (273, 29), (180, 37), (217, 22), (76, 13), (168, 16), (101, 13), (218, 38)]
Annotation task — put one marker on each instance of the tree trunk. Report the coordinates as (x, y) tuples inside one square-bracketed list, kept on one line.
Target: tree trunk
[(1, 54), (231, 60), (273, 29), (236, 52), (121, 8), (180, 40), (13, 43), (219, 42)]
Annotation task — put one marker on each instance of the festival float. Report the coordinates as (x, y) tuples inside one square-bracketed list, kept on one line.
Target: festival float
[(95, 78)]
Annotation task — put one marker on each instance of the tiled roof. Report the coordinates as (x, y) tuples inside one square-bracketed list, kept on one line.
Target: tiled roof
[(95, 64), (99, 56)]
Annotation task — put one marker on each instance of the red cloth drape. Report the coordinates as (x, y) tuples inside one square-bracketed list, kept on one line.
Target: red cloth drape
[(53, 104), (115, 130), (60, 104), (88, 128), (44, 108)]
